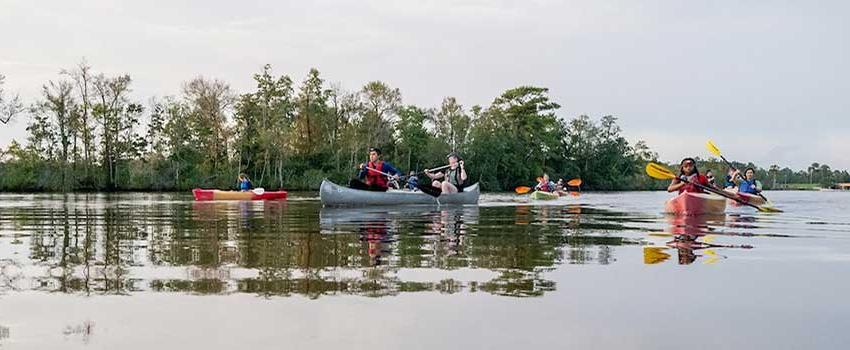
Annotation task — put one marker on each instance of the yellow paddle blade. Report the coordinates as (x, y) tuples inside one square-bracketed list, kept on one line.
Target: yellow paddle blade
[(658, 171), (654, 255), (712, 148), (574, 182), (769, 209), (522, 189), (708, 238)]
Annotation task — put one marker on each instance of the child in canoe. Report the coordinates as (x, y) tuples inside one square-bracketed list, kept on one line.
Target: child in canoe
[(244, 183)]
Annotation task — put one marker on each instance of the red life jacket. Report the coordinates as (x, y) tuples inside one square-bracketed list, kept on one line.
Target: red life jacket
[(374, 177), (689, 187)]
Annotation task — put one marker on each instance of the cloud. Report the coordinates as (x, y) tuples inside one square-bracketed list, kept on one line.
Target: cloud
[(672, 72)]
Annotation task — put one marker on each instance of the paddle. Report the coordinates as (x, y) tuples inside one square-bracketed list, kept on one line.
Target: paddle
[(716, 151), (658, 171), (426, 189)]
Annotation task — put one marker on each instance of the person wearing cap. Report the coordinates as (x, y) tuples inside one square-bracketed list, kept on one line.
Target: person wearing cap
[(370, 177), (454, 176)]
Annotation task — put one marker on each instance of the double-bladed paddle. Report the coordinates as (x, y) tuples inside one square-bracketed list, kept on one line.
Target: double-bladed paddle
[(658, 171)]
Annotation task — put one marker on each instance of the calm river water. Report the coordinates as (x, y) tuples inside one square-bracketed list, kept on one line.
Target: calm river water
[(600, 271)]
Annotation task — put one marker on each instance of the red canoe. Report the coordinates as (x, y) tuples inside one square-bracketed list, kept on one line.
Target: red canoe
[(690, 203), (219, 195)]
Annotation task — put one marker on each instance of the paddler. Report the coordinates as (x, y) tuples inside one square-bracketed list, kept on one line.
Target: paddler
[(455, 176), (370, 177), (729, 182), (688, 171), (545, 185), (748, 184), (244, 183)]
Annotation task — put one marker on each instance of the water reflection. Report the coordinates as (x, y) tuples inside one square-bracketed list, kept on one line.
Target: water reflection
[(692, 237), (123, 244)]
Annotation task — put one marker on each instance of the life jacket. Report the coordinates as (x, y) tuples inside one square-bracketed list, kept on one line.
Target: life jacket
[(748, 186), (453, 177), (690, 187), (374, 177), (547, 187)]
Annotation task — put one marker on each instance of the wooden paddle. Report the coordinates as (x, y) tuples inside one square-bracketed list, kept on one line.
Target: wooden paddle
[(658, 171), (716, 151)]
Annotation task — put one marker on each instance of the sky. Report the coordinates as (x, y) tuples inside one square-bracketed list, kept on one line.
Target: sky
[(768, 81)]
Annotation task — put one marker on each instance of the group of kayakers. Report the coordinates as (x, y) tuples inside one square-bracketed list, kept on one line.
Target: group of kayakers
[(690, 177), (378, 175), (544, 184)]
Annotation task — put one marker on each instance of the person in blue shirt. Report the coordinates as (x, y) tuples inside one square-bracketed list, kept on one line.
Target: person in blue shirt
[(748, 184), (412, 181), (244, 183), (370, 177)]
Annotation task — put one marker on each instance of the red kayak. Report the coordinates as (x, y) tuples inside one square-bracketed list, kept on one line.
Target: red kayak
[(255, 195), (691, 203)]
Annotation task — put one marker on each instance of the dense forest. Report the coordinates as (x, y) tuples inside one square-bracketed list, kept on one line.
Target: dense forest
[(87, 133)]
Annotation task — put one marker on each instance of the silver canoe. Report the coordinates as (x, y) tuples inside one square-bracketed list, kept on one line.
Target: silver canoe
[(333, 195)]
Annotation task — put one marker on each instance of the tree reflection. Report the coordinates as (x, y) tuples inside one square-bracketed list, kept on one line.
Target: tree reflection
[(122, 244)]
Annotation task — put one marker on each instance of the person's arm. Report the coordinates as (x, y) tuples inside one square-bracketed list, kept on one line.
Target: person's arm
[(675, 185), (463, 176), (390, 169)]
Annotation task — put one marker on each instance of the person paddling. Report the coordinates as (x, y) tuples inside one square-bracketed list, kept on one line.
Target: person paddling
[(545, 185), (370, 177), (748, 184), (729, 182), (244, 183), (688, 170), (455, 176)]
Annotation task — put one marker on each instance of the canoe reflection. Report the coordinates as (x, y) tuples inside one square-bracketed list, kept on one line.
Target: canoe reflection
[(378, 227)]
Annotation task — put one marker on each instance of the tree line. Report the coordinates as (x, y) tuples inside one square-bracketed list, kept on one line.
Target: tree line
[(86, 132)]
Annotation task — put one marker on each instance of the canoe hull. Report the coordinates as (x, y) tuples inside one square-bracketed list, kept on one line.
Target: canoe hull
[(219, 195), (543, 196), (690, 203), (333, 195)]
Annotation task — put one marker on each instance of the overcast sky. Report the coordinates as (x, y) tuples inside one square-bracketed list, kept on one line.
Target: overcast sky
[(768, 81)]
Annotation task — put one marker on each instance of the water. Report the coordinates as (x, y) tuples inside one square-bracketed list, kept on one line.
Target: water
[(602, 270)]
